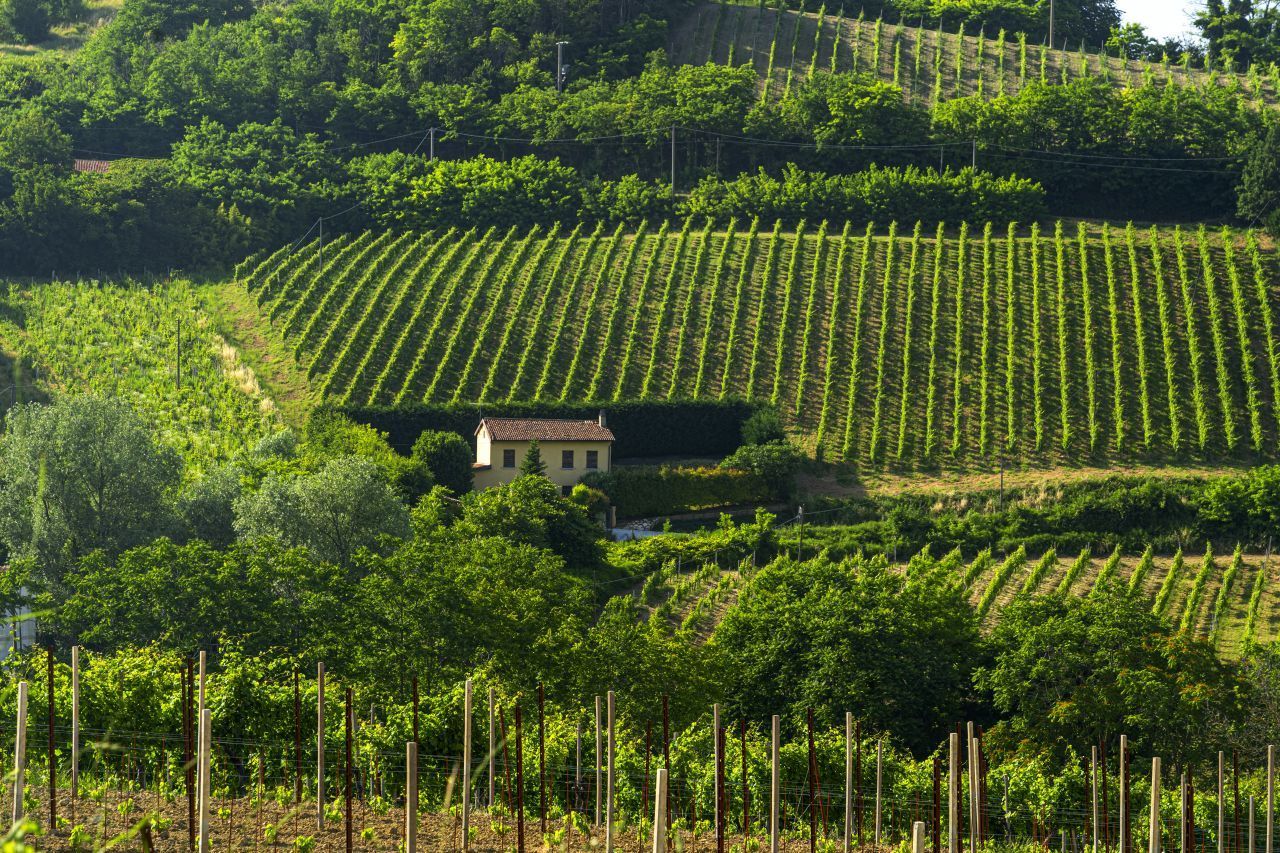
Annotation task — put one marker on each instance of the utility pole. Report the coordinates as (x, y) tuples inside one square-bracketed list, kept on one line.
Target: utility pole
[(431, 145), (560, 67), (673, 159), (1051, 4)]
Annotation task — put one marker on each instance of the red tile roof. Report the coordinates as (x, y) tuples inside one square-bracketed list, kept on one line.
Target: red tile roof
[(90, 165), (535, 429)]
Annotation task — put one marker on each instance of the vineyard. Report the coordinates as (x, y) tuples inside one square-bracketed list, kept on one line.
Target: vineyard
[(786, 46), (892, 348), (154, 346), (1224, 598)]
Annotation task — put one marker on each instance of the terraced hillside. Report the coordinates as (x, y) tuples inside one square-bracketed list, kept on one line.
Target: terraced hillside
[(890, 347), (1228, 598), (785, 46)]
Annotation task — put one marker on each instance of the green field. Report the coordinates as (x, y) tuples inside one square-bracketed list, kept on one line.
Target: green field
[(889, 348), (785, 46)]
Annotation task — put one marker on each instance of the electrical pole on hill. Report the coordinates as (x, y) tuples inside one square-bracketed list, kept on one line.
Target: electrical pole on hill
[(560, 67), (1051, 4)]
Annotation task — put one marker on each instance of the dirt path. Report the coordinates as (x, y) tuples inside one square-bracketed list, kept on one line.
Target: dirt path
[(237, 318)]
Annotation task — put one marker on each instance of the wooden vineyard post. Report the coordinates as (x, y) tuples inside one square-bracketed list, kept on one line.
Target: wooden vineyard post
[(879, 782), (813, 774), (746, 790), (347, 723), (1182, 813), (1235, 791), (1153, 840), (917, 837), (297, 738), (848, 779), (775, 784), (715, 759), (857, 776), (466, 765), (206, 736), (53, 759), (660, 813), (666, 753), (1222, 812), (1271, 799), (599, 750), (974, 816), (1093, 787), (937, 804), (411, 797), (542, 759), (320, 745), (608, 803), (203, 663), (953, 794), (1124, 794), (188, 749), (721, 817), (493, 750), (75, 727), (519, 780), (20, 753), (1252, 840)]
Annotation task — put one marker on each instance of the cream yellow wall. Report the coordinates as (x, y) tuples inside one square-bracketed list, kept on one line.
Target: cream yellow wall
[(496, 475)]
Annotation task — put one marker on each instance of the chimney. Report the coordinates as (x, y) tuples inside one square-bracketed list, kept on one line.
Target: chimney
[(602, 423)]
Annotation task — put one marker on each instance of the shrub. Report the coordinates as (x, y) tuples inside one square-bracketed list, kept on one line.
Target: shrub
[(448, 456), (630, 199), (879, 194), (763, 427), (648, 491), (776, 463)]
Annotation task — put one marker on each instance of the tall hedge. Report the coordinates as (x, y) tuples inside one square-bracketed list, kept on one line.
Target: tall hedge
[(638, 490), (643, 428)]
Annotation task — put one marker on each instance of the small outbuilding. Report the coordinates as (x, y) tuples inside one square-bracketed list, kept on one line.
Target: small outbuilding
[(569, 449)]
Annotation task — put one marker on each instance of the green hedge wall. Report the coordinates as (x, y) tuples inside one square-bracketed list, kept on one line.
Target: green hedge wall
[(644, 428), (649, 491)]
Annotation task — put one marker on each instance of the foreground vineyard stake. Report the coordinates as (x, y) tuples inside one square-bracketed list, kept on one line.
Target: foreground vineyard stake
[(1124, 794), (1222, 815), (775, 784), (206, 736), (519, 781), (953, 795), (411, 797), (1153, 818), (720, 790), (20, 752), (1093, 786), (746, 790), (917, 837), (975, 818), (1252, 840), (666, 753), (53, 766), (608, 805), (320, 745), (879, 782), (715, 757), (75, 728), (542, 755), (466, 764), (188, 756), (813, 773), (1271, 799), (660, 813), (346, 765), (297, 733), (492, 750), (848, 779), (599, 749)]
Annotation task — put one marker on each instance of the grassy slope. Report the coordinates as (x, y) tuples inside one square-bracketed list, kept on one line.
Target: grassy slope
[(948, 65), (412, 319)]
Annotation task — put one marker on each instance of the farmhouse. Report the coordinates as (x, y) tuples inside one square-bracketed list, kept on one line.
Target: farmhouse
[(569, 449)]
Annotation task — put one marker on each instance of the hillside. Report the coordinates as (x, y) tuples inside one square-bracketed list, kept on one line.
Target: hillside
[(1212, 598), (785, 46), (895, 350)]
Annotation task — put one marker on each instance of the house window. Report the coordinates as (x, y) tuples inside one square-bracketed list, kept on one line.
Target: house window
[(593, 458), (509, 458), (566, 458)]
